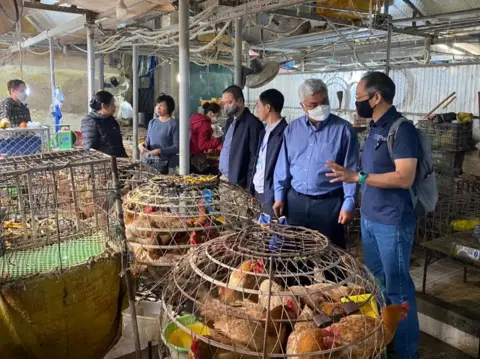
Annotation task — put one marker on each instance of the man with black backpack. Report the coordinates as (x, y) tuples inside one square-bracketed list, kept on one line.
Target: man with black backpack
[(397, 183)]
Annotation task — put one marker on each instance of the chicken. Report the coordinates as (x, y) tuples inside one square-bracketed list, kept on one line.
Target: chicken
[(275, 299), (304, 323), (202, 350), (354, 328), (316, 295), (308, 341), (250, 332), (201, 220), (238, 278), (141, 231)]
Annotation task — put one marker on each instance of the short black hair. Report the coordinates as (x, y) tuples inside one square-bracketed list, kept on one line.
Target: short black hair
[(376, 81), (168, 100), (236, 92), (274, 98), (101, 97), (211, 106), (14, 84)]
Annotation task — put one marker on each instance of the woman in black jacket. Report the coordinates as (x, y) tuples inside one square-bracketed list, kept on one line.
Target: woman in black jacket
[(100, 130)]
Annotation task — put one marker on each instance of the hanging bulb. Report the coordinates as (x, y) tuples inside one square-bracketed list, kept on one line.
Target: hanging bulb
[(122, 10)]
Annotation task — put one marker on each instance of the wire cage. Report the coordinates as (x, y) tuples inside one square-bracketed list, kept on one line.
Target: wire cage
[(132, 173), (448, 163), (455, 136), (457, 210), (60, 259), (24, 141), (167, 215), (275, 291)]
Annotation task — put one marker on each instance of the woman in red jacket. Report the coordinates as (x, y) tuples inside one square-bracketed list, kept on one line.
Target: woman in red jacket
[(201, 137)]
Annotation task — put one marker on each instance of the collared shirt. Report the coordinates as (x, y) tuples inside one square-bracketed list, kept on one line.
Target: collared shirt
[(259, 177), (381, 205), (302, 160), (14, 111), (225, 153)]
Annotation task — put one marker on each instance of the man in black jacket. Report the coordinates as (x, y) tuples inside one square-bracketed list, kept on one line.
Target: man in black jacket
[(242, 132), (269, 108)]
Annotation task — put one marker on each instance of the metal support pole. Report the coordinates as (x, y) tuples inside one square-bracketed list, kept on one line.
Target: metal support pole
[(389, 36), (184, 87), (238, 51), (90, 64), (52, 80), (135, 100), (101, 72)]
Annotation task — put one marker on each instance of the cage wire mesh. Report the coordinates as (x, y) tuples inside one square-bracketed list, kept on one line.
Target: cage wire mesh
[(56, 211), (24, 141), (457, 210), (167, 215), (275, 291), (132, 173)]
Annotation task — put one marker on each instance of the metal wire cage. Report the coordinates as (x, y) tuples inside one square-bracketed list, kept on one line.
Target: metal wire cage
[(167, 215), (55, 211), (132, 173), (275, 291), (24, 141)]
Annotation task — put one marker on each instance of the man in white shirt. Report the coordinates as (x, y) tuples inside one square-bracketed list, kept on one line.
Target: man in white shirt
[(269, 109)]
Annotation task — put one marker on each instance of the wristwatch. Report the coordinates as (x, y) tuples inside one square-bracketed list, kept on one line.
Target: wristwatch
[(362, 176)]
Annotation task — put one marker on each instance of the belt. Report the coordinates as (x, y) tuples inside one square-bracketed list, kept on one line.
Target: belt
[(333, 194)]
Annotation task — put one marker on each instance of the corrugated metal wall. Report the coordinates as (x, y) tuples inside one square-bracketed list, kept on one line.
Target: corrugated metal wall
[(418, 89)]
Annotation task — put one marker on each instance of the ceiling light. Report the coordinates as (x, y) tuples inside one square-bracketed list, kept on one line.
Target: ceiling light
[(122, 10)]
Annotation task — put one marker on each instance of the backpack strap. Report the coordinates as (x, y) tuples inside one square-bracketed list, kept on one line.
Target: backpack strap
[(392, 136)]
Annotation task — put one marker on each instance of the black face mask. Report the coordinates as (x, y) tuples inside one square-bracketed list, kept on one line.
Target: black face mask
[(364, 109)]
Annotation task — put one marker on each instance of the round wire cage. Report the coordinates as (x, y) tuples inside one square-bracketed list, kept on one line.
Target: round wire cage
[(167, 215), (275, 291)]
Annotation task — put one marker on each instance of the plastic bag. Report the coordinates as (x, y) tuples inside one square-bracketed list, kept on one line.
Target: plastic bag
[(126, 110)]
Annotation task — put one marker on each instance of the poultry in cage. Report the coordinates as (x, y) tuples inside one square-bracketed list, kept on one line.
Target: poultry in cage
[(268, 309)]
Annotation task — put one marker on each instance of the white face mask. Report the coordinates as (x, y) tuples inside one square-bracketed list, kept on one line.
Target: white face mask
[(319, 113), (22, 96)]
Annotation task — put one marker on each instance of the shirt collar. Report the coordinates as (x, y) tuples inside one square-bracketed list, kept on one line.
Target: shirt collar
[(386, 118), (321, 125), (270, 128)]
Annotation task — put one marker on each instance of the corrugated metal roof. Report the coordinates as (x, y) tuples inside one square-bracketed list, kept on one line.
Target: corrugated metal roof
[(418, 89)]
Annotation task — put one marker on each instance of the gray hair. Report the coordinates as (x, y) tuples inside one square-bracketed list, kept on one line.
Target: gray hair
[(311, 87)]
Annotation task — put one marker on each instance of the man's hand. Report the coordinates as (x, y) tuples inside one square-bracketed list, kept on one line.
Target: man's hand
[(345, 217), (278, 208), (341, 174), (155, 152), (142, 148)]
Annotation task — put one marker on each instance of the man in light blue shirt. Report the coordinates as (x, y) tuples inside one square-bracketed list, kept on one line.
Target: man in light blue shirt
[(303, 192)]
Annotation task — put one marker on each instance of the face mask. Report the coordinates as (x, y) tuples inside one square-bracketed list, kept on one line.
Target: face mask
[(364, 109), (319, 113), (22, 96), (231, 110)]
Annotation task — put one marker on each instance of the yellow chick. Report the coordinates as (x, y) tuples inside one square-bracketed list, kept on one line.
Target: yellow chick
[(5, 123)]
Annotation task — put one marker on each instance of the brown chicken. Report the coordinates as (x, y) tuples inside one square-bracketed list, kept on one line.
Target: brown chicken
[(141, 231), (274, 289), (239, 278), (354, 328), (202, 350), (308, 341), (249, 332), (316, 295)]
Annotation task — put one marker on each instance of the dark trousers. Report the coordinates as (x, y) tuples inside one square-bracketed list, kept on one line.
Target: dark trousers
[(266, 207), (319, 214)]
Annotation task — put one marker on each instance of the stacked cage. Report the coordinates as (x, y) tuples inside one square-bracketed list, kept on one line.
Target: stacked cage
[(24, 141), (275, 291), (450, 141), (167, 215), (60, 289)]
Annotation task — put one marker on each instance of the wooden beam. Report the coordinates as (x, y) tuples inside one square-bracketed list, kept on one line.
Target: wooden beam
[(56, 8)]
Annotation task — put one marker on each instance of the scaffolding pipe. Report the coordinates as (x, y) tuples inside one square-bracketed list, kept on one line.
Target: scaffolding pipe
[(238, 51), (90, 64), (184, 90), (389, 36), (101, 72), (135, 100), (52, 80)]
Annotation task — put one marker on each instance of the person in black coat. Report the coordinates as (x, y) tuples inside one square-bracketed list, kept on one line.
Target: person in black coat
[(269, 109), (100, 130), (240, 142)]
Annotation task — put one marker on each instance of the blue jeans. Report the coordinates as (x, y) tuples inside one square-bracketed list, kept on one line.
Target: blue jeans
[(387, 250)]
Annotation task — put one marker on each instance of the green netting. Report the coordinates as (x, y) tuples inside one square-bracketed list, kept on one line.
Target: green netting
[(46, 259)]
